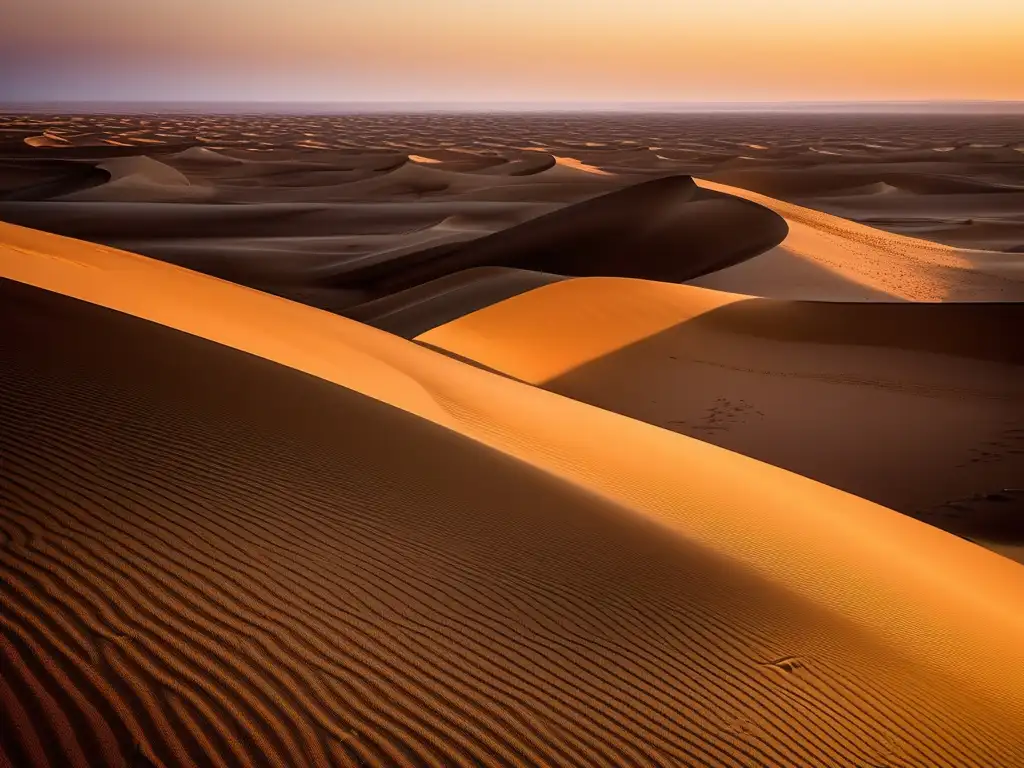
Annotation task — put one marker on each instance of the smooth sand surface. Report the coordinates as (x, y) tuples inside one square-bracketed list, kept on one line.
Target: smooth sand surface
[(825, 257), (410, 312), (402, 559), (919, 407), (668, 229), (139, 179)]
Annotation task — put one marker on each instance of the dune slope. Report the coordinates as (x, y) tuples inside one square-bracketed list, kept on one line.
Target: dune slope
[(410, 312), (664, 229), (39, 180), (213, 556), (825, 257), (914, 406), (338, 242)]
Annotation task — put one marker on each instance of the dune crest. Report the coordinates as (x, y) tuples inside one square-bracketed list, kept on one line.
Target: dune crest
[(578, 165), (856, 575), (139, 179), (663, 229), (205, 155), (46, 141), (825, 257), (762, 377)]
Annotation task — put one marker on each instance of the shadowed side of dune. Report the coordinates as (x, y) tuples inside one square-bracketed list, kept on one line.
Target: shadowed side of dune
[(118, 221), (195, 576), (667, 229), (45, 179), (507, 164), (304, 224), (976, 330), (410, 312), (528, 164), (139, 179), (91, 152), (914, 406)]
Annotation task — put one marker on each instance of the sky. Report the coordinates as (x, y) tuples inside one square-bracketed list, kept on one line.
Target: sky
[(557, 51)]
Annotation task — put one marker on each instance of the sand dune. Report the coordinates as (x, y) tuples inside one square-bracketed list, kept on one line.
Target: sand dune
[(414, 310), (526, 580), (92, 151), (347, 253), (276, 247), (873, 189), (418, 179), (912, 406), (157, 221), (525, 165), (413, 180), (941, 201), (571, 163), (825, 257), (236, 530), (567, 168), (47, 140), (139, 179), (960, 220), (884, 172), (204, 155), (1003, 236), (41, 180), (665, 229), (547, 187), (929, 179)]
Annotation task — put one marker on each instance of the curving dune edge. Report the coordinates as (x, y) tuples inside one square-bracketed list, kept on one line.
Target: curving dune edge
[(242, 530)]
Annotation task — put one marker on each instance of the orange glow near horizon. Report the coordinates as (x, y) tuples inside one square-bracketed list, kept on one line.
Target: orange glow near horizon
[(560, 50)]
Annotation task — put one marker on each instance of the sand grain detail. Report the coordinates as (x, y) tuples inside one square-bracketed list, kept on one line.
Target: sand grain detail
[(211, 559)]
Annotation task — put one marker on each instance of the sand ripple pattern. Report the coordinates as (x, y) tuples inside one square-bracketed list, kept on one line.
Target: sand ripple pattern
[(210, 559)]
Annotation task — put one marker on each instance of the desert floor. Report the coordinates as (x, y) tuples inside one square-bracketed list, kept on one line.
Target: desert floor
[(472, 440)]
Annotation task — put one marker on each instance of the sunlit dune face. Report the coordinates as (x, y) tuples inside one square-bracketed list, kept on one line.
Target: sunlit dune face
[(894, 265), (946, 606), (579, 165), (599, 332), (571, 162)]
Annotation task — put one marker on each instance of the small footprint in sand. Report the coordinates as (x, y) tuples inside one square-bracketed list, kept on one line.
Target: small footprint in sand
[(786, 663), (722, 416), (1008, 442)]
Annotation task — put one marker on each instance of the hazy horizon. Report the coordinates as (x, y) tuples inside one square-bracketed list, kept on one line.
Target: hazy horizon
[(349, 107)]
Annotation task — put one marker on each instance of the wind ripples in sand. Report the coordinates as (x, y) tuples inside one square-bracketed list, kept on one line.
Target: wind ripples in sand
[(210, 558)]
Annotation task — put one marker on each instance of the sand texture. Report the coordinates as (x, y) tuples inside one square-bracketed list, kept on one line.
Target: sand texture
[(402, 559), (829, 258), (340, 211), (919, 407), (510, 441)]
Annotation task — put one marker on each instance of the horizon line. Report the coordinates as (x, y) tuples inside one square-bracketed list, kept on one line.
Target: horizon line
[(455, 106)]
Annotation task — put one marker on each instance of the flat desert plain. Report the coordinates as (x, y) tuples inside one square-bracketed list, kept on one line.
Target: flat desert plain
[(512, 440)]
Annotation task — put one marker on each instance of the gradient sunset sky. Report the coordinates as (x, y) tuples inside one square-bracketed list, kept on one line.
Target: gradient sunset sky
[(527, 50)]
